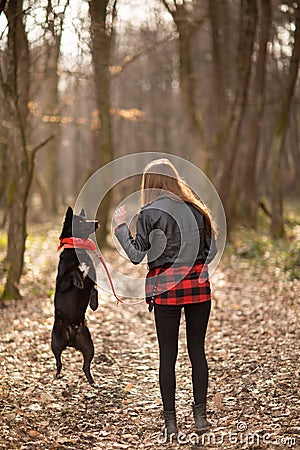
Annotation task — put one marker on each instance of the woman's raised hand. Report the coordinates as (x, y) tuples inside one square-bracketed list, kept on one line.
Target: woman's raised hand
[(120, 215)]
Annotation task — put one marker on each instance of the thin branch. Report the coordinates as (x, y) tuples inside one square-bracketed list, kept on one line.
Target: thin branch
[(39, 146), (24, 11), (31, 166), (63, 16), (113, 16), (143, 52), (127, 61)]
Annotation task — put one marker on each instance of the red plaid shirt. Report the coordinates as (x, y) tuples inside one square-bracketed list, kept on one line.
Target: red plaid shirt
[(178, 285)]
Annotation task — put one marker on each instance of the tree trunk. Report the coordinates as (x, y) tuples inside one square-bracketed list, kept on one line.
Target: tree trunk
[(3, 168), (51, 105), (103, 153), (248, 16), (249, 198), (218, 61), (188, 91), (225, 13), (278, 137), (17, 211), (51, 98), (16, 89), (186, 26)]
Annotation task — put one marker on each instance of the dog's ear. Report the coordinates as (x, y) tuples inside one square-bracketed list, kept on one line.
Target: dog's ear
[(68, 218), (67, 226), (82, 213), (69, 214)]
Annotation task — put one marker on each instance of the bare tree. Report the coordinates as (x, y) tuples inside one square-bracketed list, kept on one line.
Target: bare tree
[(250, 192), (54, 25), (187, 18), (216, 11), (101, 38), (232, 130), (15, 82), (278, 138), (45, 101), (3, 163)]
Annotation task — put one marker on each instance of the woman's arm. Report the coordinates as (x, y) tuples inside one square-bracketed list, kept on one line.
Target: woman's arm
[(137, 248)]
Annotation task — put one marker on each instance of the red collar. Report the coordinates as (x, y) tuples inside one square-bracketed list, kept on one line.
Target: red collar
[(75, 242)]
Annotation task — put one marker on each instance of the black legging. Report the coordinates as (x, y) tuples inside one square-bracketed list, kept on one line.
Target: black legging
[(167, 320)]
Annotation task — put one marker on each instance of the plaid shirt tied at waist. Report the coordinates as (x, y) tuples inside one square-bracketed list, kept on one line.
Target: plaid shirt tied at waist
[(178, 285)]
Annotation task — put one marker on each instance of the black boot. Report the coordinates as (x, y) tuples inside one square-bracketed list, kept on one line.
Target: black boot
[(170, 423), (201, 423)]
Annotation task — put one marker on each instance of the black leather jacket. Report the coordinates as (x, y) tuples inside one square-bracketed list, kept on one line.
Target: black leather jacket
[(168, 231)]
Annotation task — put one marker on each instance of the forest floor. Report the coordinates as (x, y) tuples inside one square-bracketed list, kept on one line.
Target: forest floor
[(252, 350)]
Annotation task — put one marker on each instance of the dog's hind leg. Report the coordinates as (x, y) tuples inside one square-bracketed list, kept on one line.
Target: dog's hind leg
[(85, 344), (93, 299), (57, 346)]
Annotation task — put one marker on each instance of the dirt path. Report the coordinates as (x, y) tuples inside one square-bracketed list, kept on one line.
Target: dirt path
[(253, 355)]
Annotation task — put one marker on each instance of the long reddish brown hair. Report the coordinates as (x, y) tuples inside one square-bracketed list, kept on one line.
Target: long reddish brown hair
[(160, 175)]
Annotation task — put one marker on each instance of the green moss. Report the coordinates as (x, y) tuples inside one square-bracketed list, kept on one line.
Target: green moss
[(3, 240)]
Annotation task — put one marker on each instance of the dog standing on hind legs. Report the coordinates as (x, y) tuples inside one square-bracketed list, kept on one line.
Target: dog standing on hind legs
[(75, 290)]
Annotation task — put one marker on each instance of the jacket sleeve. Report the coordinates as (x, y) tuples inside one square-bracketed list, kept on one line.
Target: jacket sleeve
[(137, 248)]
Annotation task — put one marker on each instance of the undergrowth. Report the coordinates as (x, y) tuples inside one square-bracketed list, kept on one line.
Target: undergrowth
[(258, 247)]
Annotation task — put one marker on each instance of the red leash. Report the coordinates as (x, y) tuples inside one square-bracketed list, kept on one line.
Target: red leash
[(88, 244), (111, 281)]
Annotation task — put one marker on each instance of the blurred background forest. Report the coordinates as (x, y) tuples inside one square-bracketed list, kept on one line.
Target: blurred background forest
[(85, 82)]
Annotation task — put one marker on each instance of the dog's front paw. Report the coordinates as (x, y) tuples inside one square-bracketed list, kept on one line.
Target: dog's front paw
[(65, 285), (94, 299), (77, 281)]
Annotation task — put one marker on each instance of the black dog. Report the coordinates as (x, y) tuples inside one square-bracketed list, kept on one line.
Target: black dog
[(74, 291)]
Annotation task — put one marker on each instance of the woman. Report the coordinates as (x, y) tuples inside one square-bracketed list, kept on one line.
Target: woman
[(175, 231)]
